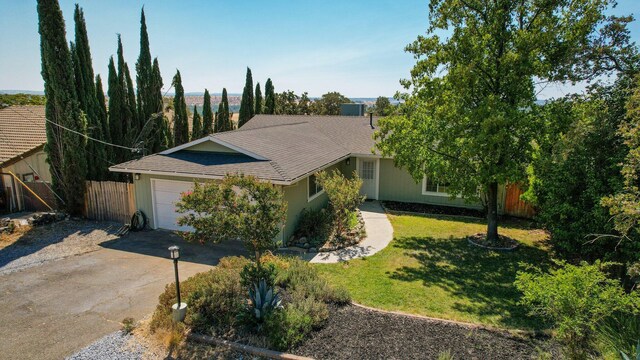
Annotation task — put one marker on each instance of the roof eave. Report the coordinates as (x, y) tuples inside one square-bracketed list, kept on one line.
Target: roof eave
[(193, 175)]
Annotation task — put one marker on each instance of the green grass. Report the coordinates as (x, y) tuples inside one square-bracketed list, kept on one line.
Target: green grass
[(429, 269)]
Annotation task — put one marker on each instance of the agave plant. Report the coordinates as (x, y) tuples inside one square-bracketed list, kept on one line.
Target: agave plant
[(264, 299), (631, 356)]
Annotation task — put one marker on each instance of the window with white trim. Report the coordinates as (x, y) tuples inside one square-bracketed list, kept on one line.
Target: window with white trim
[(433, 187), (314, 189)]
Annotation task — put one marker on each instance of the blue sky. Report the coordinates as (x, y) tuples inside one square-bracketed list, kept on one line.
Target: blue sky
[(355, 47)]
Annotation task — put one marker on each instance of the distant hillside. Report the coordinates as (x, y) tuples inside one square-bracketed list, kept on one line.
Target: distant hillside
[(28, 92)]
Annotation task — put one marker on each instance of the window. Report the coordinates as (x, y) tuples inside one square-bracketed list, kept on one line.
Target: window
[(367, 169), (28, 177), (432, 187), (314, 189)]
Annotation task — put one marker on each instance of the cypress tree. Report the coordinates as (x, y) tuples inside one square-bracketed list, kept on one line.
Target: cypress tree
[(124, 79), (159, 135), (258, 107), (97, 165), (180, 122), (131, 132), (207, 114), (196, 125), (147, 93), (116, 113), (102, 113), (269, 98), (247, 102), (223, 119), (65, 149), (228, 122)]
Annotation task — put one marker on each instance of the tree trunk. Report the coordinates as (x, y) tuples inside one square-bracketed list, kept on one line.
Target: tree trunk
[(492, 212)]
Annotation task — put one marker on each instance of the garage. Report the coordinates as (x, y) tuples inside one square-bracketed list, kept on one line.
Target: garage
[(165, 194)]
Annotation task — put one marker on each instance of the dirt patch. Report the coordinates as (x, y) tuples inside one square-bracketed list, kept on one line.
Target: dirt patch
[(504, 243), (54, 241), (8, 238), (356, 333)]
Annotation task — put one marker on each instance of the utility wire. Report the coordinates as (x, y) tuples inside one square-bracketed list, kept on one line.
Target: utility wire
[(75, 132)]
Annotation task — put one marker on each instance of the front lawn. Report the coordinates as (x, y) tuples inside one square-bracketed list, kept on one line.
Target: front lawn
[(429, 269)]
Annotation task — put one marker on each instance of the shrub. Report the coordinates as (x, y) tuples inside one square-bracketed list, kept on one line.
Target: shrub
[(344, 196), (252, 274), (301, 278), (214, 298), (238, 206), (288, 327), (315, 225), (576, 299)]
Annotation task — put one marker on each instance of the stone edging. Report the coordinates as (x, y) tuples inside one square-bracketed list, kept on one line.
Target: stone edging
[(245, 348)]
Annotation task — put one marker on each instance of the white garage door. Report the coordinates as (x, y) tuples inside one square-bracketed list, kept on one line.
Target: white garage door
[(165, 195)]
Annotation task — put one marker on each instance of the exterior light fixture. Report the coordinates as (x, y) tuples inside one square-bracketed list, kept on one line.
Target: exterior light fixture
[(136, 176), (179, 308), (348, 161)]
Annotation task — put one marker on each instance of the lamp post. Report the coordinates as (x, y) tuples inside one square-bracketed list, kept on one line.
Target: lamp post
[(180, 308)]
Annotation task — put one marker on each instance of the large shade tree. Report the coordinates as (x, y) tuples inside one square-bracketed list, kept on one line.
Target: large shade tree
[(467, 120)]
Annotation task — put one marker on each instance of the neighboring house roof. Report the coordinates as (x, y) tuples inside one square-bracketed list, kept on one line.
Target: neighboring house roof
[(278, 148), (22, 132)]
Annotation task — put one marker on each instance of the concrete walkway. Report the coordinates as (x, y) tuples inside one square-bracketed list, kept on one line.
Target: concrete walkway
[(379, 235)]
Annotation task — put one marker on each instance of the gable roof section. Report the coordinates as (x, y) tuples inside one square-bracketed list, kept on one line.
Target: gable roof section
[(281, 149), (213, 139), (22, 131)]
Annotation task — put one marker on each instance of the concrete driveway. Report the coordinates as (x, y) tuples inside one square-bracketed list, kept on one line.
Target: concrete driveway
[(51, 310)]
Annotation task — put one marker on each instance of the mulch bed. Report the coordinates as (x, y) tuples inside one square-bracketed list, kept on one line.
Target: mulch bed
[(432, 209), (357, 333)]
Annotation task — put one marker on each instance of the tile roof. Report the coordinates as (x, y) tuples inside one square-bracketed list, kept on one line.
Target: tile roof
[(22, 129), (294, 146)]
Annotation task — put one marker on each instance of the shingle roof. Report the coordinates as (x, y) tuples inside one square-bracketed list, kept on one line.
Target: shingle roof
[(22, 129), (294, 146), (353, 133), (194, 163)]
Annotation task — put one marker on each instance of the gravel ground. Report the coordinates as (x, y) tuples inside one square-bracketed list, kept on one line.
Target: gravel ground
[(55, 241), (356, 333), (116, 346), (121, 346)]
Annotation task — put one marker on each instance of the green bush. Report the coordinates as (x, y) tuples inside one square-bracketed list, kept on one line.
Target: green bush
[(315, 225), (214, 298), (344, 196), (575, 299), (302, 279), (252, 274), (288, 327)]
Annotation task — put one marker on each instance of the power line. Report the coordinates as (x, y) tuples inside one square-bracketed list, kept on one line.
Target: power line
[(74, 131)]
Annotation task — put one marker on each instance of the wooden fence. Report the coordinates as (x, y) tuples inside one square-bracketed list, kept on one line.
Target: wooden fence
[(515, 206), (109, 200)]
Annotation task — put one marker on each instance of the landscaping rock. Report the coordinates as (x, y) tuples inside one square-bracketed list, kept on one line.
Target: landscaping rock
[(117, 345), (356, 333)]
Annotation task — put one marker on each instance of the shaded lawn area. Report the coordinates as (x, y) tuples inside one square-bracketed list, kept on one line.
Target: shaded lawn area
[(430, 269)]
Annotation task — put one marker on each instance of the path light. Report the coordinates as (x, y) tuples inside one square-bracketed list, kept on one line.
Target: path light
[(180, 308)]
